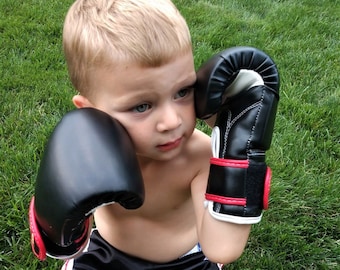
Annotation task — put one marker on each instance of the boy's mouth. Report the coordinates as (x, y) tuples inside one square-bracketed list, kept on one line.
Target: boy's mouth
[(170, 145)]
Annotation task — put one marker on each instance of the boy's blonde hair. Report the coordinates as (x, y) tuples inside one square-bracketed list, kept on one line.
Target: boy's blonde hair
[(106, 33)]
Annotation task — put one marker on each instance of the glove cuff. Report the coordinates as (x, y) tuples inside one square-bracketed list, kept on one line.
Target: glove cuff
[(230, 218), (42, 245)]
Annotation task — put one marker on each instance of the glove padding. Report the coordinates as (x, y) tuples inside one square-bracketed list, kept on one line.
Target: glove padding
[(89, 161), (241, 86)]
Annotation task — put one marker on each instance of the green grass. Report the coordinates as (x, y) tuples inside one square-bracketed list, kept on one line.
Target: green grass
[(301, 230)]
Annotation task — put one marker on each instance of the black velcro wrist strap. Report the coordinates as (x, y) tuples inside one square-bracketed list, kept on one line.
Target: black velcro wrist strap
[(238, 187), (227, 179)]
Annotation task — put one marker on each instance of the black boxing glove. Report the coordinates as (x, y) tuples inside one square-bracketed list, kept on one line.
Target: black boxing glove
[(241, 86), (89, 161)]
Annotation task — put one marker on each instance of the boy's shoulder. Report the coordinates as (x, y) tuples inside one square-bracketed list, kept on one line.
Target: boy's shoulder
[(199, 149), (200, 142)]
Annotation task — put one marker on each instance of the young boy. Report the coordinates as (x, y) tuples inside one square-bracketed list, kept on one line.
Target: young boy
[(132, 59)]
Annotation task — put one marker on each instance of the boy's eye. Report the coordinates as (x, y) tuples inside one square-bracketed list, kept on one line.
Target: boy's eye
[(141, 108), (183, 92)]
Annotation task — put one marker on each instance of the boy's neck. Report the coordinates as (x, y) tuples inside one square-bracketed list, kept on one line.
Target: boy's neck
[(145, 162)]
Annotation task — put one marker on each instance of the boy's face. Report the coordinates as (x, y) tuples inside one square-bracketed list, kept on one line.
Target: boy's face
[(155, 105)]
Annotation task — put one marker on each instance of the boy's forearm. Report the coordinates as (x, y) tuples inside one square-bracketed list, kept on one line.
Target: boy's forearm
[(222, 242)]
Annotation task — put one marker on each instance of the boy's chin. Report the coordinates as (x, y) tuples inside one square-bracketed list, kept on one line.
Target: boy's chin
[(160, 156)]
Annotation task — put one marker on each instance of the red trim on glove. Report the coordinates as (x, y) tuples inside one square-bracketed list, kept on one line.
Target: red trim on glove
[(37, 244), (84, 234), (244, 164), (266, 191), (226, 200)]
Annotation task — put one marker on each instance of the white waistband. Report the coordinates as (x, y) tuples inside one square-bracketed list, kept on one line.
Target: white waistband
[(195, 249)]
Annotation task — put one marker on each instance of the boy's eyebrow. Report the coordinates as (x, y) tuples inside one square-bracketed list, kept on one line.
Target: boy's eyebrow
[(135, 98), (190, 85), (190, 81)]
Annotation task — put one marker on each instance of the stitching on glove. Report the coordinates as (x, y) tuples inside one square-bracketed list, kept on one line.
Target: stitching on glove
[(259, 103), (230, 122)]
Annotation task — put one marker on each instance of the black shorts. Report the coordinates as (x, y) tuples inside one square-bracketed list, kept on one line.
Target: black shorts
[(100, 255)]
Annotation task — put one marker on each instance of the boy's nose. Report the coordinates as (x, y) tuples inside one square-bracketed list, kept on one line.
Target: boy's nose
[(169, 119)]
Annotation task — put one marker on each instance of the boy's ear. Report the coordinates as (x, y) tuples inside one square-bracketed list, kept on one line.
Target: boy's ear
[(81, 102)]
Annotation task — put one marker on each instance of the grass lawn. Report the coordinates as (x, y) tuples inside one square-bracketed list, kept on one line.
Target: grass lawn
[(301, 230)]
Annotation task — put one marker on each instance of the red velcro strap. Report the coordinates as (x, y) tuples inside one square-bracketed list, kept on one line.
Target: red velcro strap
[(38, 246), (226, 200), (230, 163), (266, 191)]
